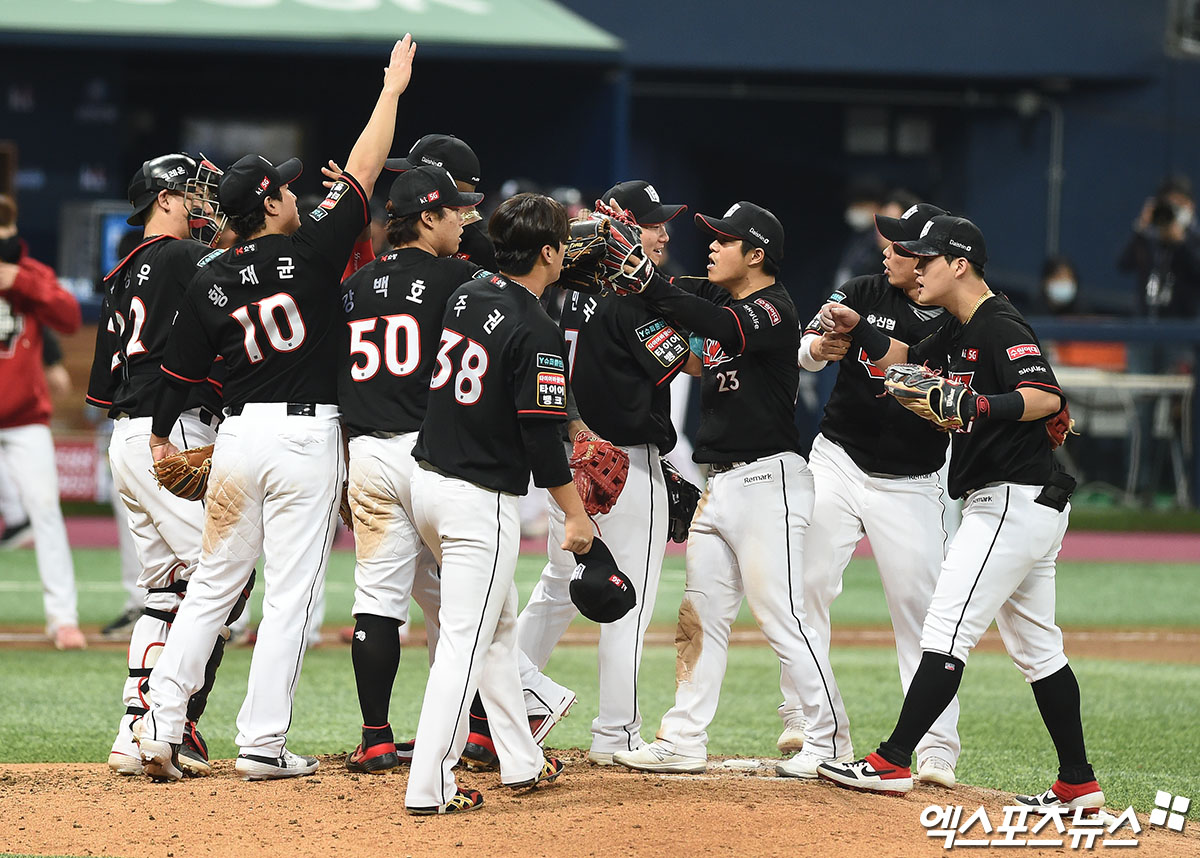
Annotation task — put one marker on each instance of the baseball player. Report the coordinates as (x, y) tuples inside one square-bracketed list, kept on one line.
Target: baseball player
[(1001, 562), (497, 404), (170, 199), (461, 162), (747, 536), (875, 463), (269, 307), (619, 349), (31, 299), (393, 310)]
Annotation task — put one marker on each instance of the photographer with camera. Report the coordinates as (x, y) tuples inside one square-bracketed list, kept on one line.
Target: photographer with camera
[(1164, 252)]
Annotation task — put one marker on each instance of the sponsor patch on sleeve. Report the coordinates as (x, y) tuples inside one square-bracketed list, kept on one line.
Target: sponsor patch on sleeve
[(772, 313), (547, 360), (662, 341), (1023, 351), (335, 194), (551, 390)]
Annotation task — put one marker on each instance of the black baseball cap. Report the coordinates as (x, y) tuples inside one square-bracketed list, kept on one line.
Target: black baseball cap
[(422, 188), (247, 183), (908, 226), (948, 235), (750, 223), (641, 200), (440, 150), (600, 590)]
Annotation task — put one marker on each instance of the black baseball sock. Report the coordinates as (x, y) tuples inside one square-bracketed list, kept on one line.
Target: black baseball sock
[(933, 687), (1058, 700), (375, 652), (478, 718)]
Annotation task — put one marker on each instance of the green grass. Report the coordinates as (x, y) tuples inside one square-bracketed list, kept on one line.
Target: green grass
[(1139, 717), (1089, 594)]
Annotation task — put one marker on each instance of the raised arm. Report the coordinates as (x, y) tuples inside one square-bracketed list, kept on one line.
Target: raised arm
[(373, 144)]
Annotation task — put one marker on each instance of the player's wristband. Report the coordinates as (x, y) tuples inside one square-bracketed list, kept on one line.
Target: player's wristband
[(872, 340), (1000, 406)]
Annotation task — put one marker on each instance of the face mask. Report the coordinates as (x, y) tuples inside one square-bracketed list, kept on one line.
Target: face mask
[(10, 249), (859, 219), (1061, 291)]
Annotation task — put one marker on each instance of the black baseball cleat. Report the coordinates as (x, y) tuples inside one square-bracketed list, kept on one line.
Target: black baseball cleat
[(480, 753), (193, 753), (552, 767), (122, 627), (464, 800), (374, 760)]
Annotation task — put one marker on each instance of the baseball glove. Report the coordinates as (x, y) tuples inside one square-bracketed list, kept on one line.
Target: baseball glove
[(186, 473), (1059, 427), (347, 515), (600, 471), (584, 256), (626, 267), (942, 401), (682, 498)]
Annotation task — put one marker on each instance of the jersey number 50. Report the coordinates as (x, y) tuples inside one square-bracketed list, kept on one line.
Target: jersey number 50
[(473, 365), (267, 309), (396, 365)]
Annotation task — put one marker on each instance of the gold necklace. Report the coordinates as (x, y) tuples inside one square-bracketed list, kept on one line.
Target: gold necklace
[(978, 303)]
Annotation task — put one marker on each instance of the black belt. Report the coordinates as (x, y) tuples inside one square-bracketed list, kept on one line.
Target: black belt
[(722, 467), (294, 409)]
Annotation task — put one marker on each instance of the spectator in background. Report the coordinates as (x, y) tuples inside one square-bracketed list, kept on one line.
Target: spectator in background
[(1164, 254), (32, 298), (862, 254)]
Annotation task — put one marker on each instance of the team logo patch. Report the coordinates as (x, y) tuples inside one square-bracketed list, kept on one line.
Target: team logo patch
[(317, 213), (970, 354), (1023, 351), (551, 390), (209, 258), (772, 313), (714, 355), (758, 478), (661, 340), (334, 195), (872, 370), (550, 361), (11, 326), (431, 197)]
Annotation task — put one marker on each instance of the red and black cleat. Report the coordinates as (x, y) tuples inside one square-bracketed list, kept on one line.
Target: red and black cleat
[(193, 753), (374, 760)]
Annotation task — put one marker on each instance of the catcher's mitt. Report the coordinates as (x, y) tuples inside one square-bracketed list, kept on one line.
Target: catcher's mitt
[(584, 256), (186, 473), (682, 498), (942, 401), (600, 471), (1059, 427)]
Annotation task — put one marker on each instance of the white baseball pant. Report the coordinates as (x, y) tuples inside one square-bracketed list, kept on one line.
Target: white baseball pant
[(27, 457), (747, 539), (475, 534), (635, 530), (274, 490)]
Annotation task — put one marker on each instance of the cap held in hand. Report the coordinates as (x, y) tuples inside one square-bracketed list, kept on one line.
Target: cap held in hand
[(600, 590)]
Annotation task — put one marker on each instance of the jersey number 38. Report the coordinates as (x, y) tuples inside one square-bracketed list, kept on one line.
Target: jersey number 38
[(472, 367)]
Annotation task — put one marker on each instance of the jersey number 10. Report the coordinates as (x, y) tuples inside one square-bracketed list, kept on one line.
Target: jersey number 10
[(267, 310)]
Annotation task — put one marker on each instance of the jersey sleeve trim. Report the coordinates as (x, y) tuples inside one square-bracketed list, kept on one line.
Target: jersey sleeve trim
[(1052, 388), (562, 414), (353, 182), (214, 383), (96, 401), (182, 377), (741, 333)]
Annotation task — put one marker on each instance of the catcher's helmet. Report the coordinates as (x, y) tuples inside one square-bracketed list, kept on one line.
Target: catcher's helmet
[(182, 174), (164, 173)]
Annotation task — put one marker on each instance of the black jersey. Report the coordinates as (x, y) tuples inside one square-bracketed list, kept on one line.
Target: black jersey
[(392, 327), (622, 357), (271, 308), (748, 399), (996, 352), (877, 432), (141, 297), (475, 246), (501, 360)]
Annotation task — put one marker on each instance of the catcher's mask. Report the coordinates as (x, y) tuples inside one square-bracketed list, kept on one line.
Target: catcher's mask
[(206, 221)]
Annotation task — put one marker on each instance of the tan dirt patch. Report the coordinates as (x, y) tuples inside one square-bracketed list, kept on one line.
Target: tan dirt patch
[(82, 809)]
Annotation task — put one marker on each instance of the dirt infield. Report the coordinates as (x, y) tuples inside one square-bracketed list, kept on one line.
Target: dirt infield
[(80, 809)]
